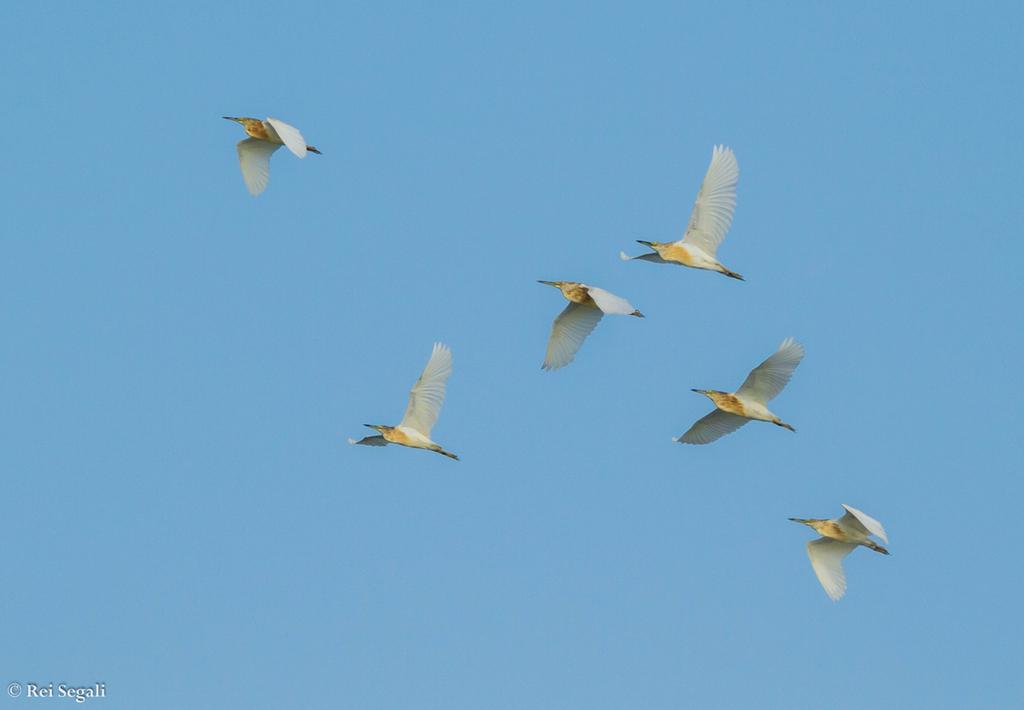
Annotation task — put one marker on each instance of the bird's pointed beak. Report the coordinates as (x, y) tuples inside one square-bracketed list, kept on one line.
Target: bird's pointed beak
[(232, 118), (804, 521), (699, 391), (372, 426), (549, 283), (646, 244)]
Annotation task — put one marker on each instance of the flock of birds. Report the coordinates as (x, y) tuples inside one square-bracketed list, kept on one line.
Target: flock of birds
[(709, 222)]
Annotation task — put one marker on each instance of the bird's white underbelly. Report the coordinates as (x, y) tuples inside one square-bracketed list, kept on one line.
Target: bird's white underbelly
[(755, 410), (415, 437), (854, 536), (700, 258)]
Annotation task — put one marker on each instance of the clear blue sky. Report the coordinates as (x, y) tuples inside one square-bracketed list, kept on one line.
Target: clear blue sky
[(182, 363)]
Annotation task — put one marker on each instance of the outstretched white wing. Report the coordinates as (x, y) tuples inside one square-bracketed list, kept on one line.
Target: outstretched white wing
[(427, 395), (862, 521), (655, 257), (827, 560), (712, 427), (716, 201), (571, 328), (293, 140), (767, 379), (370, 441), (610, 303), (254, 159)]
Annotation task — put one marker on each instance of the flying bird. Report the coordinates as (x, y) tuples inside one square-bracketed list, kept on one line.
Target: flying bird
[(709, 221), (425, 402), (587, 304), (734, 409), (838, 539), (264, 138)]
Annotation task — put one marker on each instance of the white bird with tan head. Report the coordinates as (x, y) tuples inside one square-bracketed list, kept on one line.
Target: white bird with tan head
[(265, 137), (750, 401), (839, 538), (421, 414), (587, 305), (709, 221)]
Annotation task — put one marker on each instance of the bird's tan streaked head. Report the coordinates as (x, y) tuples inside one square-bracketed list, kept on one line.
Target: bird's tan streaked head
[(253, 126), (244, 120), (819, 525)]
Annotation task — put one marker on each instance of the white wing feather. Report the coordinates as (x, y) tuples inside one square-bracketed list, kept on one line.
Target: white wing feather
[(827, 560), (370, 441), (767, 379), (293, 140), (570, 329), (716, 202), (427, 395), (254, 159), (712, 427), (608, 302), (655, 257), (863, 521)]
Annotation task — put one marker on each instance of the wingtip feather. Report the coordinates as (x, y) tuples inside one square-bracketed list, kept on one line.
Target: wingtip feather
[(791, 342)]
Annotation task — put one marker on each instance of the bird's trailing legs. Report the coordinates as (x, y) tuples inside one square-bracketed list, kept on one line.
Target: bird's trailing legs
[(449, 454)]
